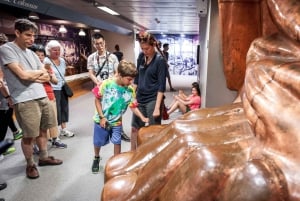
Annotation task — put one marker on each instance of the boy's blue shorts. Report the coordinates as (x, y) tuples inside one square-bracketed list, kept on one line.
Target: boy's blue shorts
[(102, 136)]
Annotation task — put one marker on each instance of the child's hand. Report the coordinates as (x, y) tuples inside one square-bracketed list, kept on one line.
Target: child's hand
[(103, 122)]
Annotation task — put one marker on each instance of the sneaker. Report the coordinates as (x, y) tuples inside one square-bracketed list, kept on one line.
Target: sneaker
[(66, 133), (125, 137), (95, 167), (59, 144), (36, 150), (10, 150), (18, 135), (3, 186), (32, 172)]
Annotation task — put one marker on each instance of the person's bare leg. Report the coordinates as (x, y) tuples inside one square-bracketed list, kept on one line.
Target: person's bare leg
[(182, 107), (41, 142), (27, 149), (63, 125), (97, 151), (174, 107), (117, 149), (170, 84)]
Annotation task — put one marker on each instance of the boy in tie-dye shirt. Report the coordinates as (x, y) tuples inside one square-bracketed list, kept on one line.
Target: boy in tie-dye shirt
[(112, 98)]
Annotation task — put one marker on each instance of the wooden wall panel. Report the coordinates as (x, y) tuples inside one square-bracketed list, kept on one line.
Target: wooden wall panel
[(240, 25)]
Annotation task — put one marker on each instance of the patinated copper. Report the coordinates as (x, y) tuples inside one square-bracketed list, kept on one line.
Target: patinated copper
[(247, 151)]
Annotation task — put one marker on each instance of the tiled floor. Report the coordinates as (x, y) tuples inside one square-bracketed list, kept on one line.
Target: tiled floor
[(73, 180)]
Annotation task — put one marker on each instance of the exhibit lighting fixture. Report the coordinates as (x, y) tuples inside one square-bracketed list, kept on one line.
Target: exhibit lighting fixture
[(62, 29), (33, 16), (108, 10), (81, 32)]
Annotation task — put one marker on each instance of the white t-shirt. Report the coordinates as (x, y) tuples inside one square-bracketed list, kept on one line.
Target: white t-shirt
[(95, 61)]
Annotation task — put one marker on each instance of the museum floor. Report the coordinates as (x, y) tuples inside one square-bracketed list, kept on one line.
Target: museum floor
[(73, 180)]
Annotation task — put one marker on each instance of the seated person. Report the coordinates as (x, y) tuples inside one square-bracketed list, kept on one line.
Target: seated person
[(186, 103)]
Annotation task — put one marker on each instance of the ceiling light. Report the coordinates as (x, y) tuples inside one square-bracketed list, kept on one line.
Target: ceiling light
[(108, 10), (33, 16), (62, 29), (81, 33), (97, 30)]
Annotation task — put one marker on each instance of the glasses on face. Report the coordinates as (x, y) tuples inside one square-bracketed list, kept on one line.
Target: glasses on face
[(99, 44)]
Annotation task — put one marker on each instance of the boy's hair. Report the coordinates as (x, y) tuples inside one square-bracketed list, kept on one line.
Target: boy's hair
[(24, 25), (126, 68), (38, 48)]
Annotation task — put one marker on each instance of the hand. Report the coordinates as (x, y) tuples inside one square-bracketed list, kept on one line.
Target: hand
[(156, 113), (47, 66), (10, 102), (103, 122), (145, 120)]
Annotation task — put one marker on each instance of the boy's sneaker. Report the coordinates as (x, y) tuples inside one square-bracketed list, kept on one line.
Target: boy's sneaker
[(10, 150), (95, 167), (59, 144), (66, 133), (18, 135)]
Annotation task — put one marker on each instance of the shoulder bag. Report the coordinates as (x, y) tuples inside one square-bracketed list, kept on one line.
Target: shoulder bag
[(65, 88), (100, 68)]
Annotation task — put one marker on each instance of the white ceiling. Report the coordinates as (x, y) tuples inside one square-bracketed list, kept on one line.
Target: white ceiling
[(160, 16)]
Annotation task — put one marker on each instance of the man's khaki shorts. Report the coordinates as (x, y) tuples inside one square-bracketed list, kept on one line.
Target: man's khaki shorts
[(34, 115)]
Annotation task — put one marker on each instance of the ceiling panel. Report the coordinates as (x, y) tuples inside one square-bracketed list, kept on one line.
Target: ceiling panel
[(172, 15)]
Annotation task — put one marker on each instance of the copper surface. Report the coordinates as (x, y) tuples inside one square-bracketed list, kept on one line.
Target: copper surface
[(240, 25), (247, 151)]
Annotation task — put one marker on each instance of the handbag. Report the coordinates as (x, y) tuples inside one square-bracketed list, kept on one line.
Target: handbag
[(164, 110), (65, 88)]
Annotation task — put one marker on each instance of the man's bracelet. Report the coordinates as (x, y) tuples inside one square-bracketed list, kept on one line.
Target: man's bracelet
[(8, 96)]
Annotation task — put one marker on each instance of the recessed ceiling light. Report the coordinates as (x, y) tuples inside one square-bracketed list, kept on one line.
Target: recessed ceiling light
[(33, 16)]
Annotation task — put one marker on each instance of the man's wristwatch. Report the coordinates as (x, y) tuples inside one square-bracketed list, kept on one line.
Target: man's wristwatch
[(8, 96)]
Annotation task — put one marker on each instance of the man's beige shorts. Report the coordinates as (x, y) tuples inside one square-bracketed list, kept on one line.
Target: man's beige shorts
[(34, 115)]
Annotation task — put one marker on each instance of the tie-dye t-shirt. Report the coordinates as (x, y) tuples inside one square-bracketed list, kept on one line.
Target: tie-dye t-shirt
[(114, 101)]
